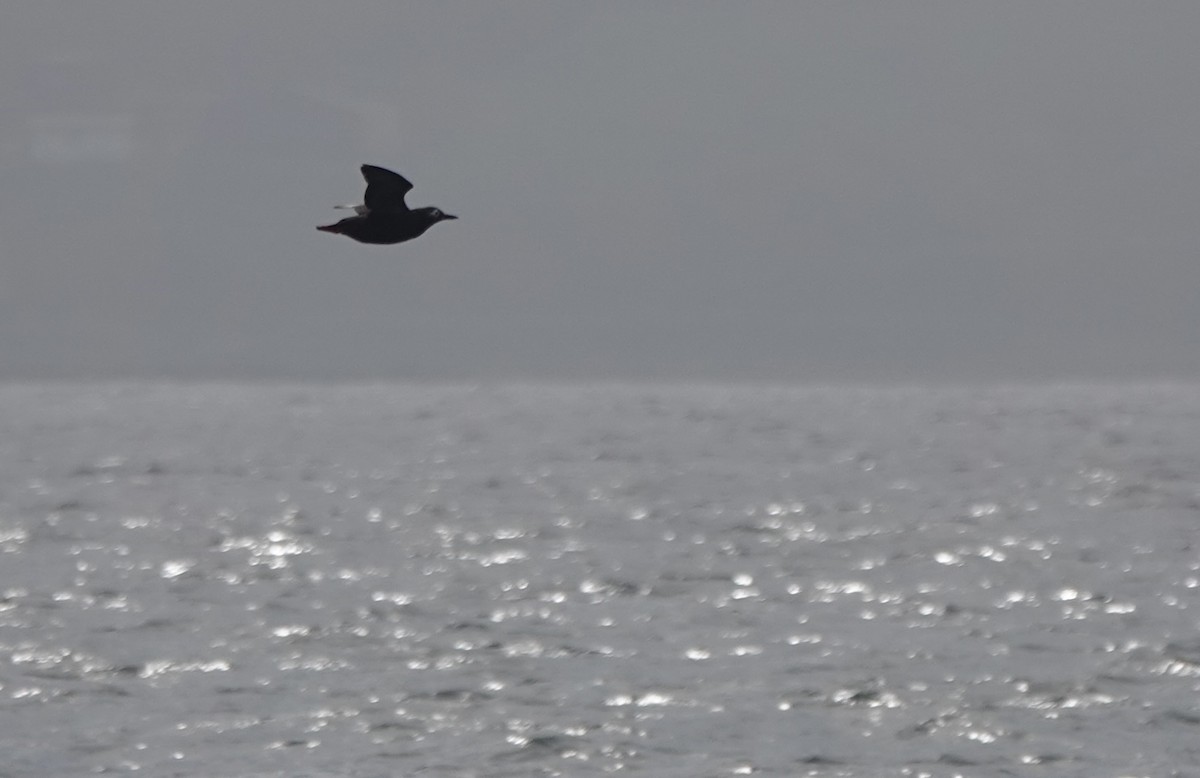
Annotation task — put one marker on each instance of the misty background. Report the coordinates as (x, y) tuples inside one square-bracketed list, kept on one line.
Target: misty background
[(692, 190)]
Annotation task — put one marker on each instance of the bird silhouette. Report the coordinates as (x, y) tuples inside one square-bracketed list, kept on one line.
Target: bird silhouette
[(384, 217)]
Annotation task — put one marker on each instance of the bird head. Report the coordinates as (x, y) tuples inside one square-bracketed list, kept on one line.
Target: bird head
[(437, 215)]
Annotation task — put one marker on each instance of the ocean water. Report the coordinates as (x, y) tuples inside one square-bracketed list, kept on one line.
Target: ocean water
[(580, 581)]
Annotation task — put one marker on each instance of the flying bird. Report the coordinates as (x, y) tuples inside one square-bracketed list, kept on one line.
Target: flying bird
[(384, 217)]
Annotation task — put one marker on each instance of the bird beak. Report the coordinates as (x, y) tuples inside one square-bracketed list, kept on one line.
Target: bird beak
[(448, 216)]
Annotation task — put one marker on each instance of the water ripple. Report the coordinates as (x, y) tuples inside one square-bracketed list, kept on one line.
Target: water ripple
[(677, 581)]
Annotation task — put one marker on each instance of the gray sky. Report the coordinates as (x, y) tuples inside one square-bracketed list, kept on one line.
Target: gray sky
[(679, 189)]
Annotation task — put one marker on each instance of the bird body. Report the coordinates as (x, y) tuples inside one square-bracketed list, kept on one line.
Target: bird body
[(384, 217)]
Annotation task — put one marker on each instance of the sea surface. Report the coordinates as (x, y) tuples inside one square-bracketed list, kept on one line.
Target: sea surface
[(670, 581)]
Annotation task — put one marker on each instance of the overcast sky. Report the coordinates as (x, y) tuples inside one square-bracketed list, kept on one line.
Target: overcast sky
[(897, 191)]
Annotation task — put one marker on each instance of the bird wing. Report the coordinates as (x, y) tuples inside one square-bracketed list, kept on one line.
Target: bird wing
[(385, 189)]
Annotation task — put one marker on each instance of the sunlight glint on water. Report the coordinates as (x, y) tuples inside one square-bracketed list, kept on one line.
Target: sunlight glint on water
[(668, 581)]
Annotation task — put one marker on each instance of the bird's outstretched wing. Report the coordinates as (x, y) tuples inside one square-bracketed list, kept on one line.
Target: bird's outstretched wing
[(385, 189)]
